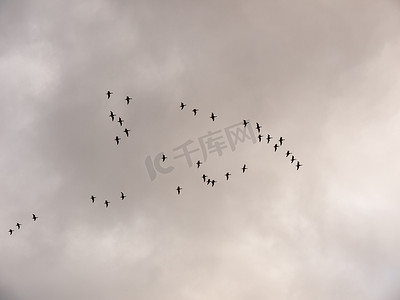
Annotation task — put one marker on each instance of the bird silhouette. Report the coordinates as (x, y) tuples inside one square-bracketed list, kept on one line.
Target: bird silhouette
[(182, 105), (195, 110), (126, 130), (163, 157), (276, 147), (208, 181), (204, 177), (179, 189), (259, 137), (122, 196), (128, 99), (120, 121), (213, 116), (245, 122), (34, 217), (258, 127), (269, 138), (198, 164), (109, 94), (244, 168), (112, 115), (213, 182), (288, 153), (298, 165), (281, 139), (19, 225), (117, 139), (92, 197), (292, 159), (227, 175), (11, 231), (106, 203)]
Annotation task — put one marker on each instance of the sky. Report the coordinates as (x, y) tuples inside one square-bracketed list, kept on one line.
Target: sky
[(322, 74)]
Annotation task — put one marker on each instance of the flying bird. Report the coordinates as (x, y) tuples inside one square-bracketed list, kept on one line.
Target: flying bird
[(298, 165), (208, 181), (122, 196), (204, 177), (92, 197), (198, 164), (288, 153), (128, 99), (258, 127), (120, 121), (213, 182), (34, 217), (269, 138), (292, 159), (227, 175), (117, 139), (109, 94), (276, 147), (195, 110), (244, 168), (245, 122), (106, 203), (281, 139), (19, 225), (182, 105), (179, 189), (213, 116), (163, 157), (259, 137), (11, 231), (112, 115), (127, 131)]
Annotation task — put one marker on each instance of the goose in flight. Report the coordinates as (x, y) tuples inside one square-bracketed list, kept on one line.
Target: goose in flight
[(288, 153), (11, 231), (227, 175), (109, 94), (198, 164), (128, 99), (213, 116), (292, 159), (195, 110), (19, 225), (204, 177), (213, 182), (245, 122), (276, 147), (34, 217), (117, 139), (208, 181), (106, 203), (122, 196), (298, 165), (92, 197), (182, 106), (269, 138), (179, 189), (281, 139), (258, 127), (163, 157), (244, 168), (127, 131), (120, 121), (112, 115), (259, 137)]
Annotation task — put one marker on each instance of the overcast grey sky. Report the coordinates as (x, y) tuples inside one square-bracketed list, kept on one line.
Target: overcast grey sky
[(325, 75)]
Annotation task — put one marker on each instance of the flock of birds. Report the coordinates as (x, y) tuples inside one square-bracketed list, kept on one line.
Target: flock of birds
[(205, 177), (19, 225), (213, 116)]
